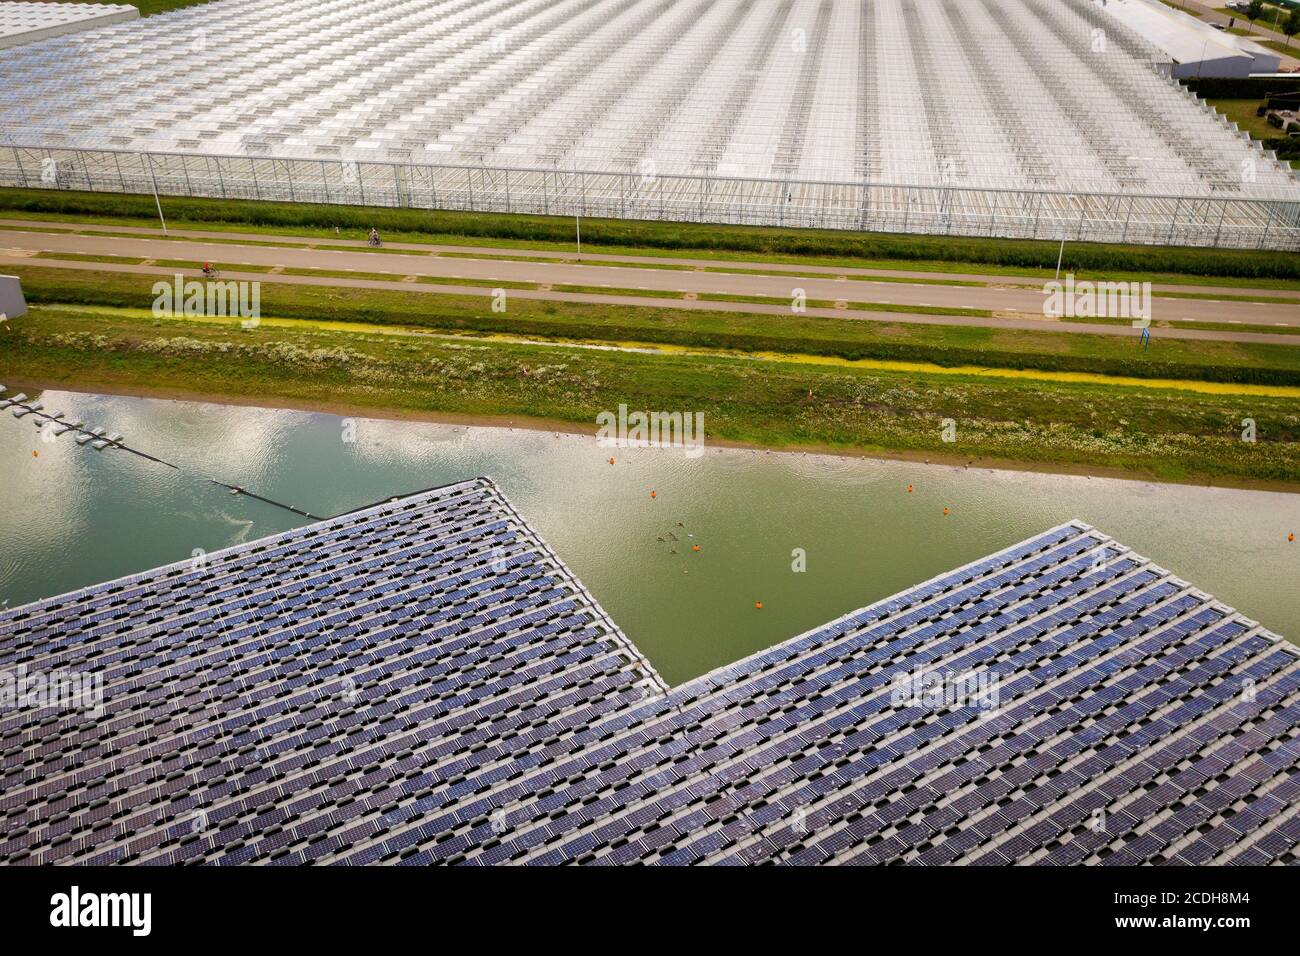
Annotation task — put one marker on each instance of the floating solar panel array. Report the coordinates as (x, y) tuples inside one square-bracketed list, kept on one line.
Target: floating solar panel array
[(292, 699), (424, 682), (1124, 717)]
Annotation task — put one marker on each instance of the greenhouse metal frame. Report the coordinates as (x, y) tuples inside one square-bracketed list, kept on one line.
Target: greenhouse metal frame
[(1223, 222), (1019, 118)]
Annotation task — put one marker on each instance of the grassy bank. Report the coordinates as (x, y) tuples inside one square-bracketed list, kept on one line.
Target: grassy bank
[(1166, 434), (609, 234), (752, 332), (1242, 112)]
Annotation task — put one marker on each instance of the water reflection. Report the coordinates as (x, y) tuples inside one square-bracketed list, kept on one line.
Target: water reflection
[(72, 516)]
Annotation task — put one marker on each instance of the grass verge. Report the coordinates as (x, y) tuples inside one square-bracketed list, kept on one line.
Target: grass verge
[(947, 345), (321, 221), (1170, 435)]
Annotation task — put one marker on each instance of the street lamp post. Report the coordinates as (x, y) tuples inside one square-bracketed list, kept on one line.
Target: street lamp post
[(144, 159)]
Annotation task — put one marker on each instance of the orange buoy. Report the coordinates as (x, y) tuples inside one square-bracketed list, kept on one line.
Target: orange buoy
[(1290, 537), (909, 489), (652, 494), (945, 510), (759, 605), (36, 454), (695, 547), (611, 461)]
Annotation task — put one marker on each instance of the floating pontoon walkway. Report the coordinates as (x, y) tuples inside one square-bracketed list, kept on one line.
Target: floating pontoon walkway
[(423, 681)]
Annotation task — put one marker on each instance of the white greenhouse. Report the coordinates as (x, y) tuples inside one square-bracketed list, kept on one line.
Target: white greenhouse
[(1027, 118)]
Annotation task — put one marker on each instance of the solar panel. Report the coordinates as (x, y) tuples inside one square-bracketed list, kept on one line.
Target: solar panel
[(407, 696)]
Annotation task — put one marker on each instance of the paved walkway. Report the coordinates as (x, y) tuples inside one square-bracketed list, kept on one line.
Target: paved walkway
[(1008, 321), (922, 277)]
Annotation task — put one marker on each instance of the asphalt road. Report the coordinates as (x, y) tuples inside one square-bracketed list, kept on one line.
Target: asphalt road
[(596, 257), (1015, 306), (1261, 29)]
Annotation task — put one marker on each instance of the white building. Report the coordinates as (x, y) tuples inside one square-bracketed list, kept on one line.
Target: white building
[(26, 22), (1193, 48)]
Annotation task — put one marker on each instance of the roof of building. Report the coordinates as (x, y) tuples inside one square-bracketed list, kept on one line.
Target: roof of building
[(987, 94), (23, 22), (1184, 38), (424, 681)]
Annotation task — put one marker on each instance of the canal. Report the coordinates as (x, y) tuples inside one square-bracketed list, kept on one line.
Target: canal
[(72, 516)]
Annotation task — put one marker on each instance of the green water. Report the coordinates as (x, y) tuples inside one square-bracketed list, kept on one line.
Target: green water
[(72, 516)]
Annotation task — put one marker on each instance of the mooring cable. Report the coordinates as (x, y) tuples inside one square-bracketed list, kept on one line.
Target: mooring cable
[(95, 438), (235, 489)]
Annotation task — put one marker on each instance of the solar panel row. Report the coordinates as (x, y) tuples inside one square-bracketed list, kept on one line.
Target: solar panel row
[(855, 777), (242, 697), (424, 681)]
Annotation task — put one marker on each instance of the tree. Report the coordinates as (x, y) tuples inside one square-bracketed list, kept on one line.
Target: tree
[(1292, 25), (1254, 12)]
